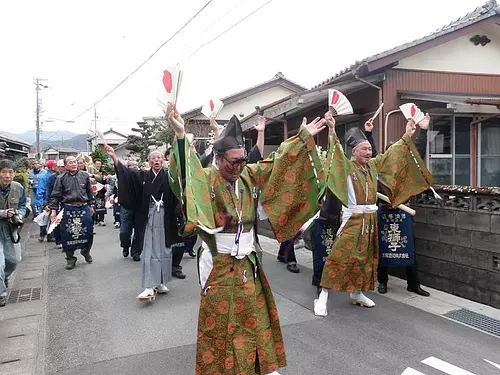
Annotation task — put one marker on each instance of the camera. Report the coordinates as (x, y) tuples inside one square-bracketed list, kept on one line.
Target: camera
[(17, 219)]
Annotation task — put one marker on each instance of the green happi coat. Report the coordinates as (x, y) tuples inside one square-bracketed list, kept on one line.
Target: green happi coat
[(352, 263), (238, 326)]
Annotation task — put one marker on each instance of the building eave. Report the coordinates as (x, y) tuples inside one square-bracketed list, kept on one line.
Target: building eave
[(304, 101), (278, 80), (483, 16)]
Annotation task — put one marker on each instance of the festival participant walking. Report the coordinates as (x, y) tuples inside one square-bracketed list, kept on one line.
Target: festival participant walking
[(352, 263), (149, 195), (238, 326)]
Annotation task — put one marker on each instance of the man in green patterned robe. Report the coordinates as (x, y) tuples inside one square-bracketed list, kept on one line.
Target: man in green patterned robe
[(238, 326), (352, 263)]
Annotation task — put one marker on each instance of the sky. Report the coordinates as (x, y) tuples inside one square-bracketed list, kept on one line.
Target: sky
[(85, 48)]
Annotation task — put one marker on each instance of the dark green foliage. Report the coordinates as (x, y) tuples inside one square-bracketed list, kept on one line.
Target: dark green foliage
[(149, 136)]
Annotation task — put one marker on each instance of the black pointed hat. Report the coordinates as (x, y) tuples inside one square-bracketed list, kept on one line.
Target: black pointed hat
[(354, 137), (231, 137)]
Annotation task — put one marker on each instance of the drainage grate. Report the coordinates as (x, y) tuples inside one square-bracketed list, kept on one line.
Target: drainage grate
[(25, 295), (479, 321)]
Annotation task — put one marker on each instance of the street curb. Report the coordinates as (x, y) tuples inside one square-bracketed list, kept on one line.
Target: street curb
[(439, 303), (24, 320)]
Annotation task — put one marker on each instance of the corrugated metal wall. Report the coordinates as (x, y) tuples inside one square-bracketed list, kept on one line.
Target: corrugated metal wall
[(426, 81)]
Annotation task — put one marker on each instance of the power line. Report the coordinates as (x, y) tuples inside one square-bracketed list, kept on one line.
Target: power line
[(225, 31), (146, 61), (217, 21)]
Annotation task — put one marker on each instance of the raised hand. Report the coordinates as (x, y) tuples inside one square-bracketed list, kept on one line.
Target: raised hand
[(424, 124), (315, 126), (410, 127), (261, 124), (177, 123), (369, 125), (330, 122), (213, 124), (109, 150)]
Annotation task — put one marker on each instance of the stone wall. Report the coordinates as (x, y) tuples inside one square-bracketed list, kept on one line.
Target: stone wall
[(457, 242)]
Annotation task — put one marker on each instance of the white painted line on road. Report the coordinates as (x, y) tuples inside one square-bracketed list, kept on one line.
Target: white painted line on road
[(445, 367), (493, 364), (410, 371)]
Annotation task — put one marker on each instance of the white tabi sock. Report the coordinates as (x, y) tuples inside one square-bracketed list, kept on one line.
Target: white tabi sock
[(356, 296), (274, 373), (162, 288), (320, 303), (323, 297), (362, 299)]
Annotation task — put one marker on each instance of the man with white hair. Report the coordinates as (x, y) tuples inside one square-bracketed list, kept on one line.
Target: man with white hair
[(148, 194), (352, 263)]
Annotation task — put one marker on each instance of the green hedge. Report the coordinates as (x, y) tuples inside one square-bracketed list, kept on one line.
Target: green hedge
[(22, 177)]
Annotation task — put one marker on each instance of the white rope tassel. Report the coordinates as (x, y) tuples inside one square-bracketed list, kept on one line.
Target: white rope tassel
[(158, 203)]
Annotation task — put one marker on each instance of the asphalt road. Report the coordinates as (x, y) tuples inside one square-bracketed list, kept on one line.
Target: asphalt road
[(95, 325)]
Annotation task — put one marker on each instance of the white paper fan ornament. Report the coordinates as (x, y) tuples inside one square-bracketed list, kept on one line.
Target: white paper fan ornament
[(56, 222), (338, 103), (170, 87), (97, 187), (212, 107), (411, 111)]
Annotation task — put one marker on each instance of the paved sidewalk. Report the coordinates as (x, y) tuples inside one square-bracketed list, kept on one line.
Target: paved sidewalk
[(439, 303), (116, 334), (22, 321)]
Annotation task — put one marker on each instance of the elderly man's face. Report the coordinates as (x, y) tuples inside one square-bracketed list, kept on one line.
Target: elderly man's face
[(362, 153), (6, 176), (231, 164), (71, 164), (156, 161)]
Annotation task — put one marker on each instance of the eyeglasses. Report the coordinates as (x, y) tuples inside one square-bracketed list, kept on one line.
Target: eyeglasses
[(238, 162)]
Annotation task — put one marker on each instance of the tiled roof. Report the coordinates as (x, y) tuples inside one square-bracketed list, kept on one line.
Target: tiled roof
[(66, 150), (485, 11), (278, 79), (9, 137)]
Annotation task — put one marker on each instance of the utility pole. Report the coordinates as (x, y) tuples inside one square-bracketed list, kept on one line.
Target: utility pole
[(38, 87), (95, 121)]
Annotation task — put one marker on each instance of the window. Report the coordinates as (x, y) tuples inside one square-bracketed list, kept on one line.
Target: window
[(449, 149), (489, 155), (462, 150), (440, 158)]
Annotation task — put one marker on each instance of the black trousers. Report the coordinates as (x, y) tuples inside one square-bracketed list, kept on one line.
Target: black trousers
[(177, 254), (129, 225), (411, 275), (287, 252)]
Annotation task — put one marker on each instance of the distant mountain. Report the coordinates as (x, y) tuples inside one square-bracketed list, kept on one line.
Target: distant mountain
[(62, 138), (30, 136), (78, 142)]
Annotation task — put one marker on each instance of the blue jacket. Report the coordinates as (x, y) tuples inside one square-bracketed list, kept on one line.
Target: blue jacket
[(50, 186), (35, 178), (42, 188)]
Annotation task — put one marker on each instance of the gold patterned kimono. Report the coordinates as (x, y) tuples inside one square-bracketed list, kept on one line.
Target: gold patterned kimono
[(352, 263), (238, 326)]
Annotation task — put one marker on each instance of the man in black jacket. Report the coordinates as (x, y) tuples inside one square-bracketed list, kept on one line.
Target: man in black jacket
[(73, 192), (155, 205)]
